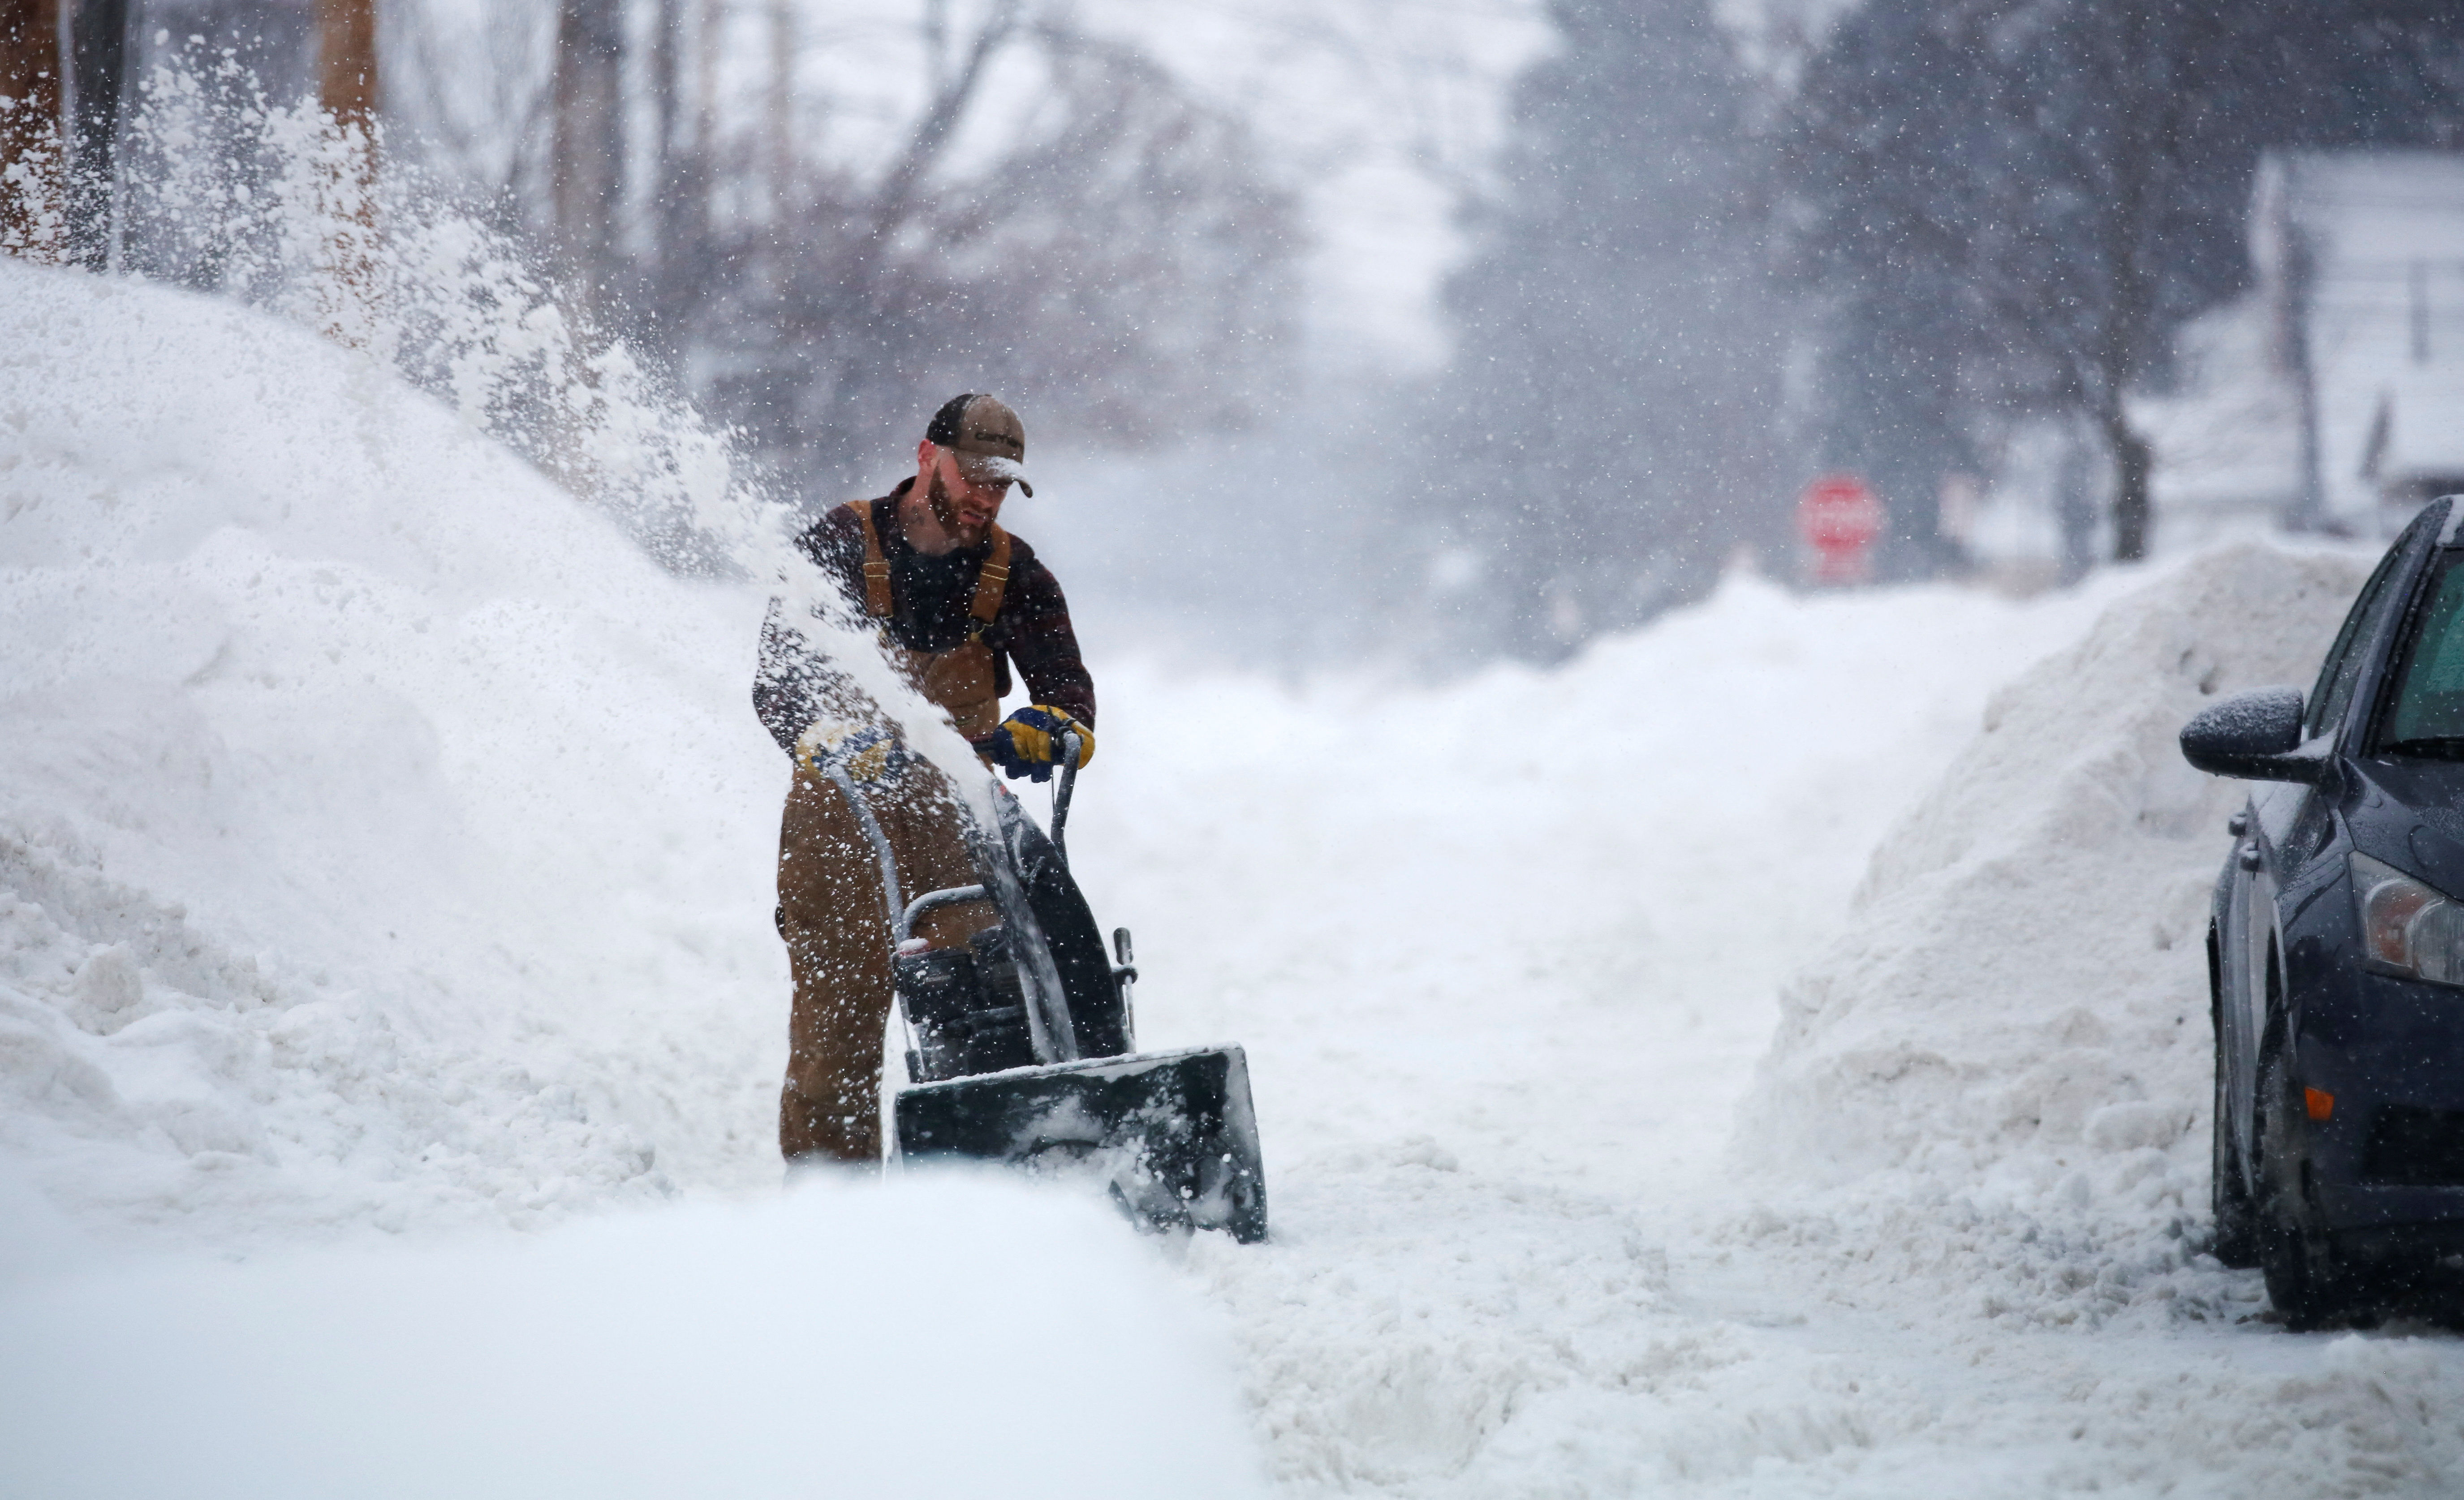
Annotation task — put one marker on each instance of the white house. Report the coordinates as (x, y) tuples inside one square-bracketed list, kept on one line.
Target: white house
[(2333, 393)]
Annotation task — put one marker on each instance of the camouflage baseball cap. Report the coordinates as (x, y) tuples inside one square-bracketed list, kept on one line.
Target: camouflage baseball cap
[(986, 438)]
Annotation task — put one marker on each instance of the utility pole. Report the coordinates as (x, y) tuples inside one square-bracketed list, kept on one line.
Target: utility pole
[(29, 124), (347, 91), (97, 69)]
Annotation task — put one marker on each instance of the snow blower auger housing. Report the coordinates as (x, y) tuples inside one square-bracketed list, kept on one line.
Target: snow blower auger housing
[(1026, 1060)]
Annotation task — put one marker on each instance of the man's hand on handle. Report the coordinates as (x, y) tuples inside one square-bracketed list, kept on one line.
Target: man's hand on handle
[(1028, 742)]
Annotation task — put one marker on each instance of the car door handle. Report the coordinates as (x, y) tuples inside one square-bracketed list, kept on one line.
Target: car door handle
[(2250, 859)]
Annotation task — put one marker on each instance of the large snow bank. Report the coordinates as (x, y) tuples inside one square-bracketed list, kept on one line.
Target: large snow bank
[(2015, 1015), (383, 837), (954, 1339)]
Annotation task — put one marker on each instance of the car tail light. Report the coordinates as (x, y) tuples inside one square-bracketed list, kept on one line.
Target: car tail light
[(2408, 927)]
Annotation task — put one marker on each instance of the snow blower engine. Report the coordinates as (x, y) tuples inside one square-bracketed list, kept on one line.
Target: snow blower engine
[(1021, 1042)]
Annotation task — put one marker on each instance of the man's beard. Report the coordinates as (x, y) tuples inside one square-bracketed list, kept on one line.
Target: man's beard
[(937, 496)]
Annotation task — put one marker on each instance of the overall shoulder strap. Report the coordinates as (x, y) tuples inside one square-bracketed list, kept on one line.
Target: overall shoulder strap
[(992, 581), (876, 567)]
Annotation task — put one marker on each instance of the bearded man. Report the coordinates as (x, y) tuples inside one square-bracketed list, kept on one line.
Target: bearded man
[(957, 602)]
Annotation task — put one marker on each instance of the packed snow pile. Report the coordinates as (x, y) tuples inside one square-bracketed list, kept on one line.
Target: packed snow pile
[(2018, 1009), (385, 839)]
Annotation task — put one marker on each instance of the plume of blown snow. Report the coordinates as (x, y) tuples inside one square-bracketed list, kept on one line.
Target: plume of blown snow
[(277, 207)]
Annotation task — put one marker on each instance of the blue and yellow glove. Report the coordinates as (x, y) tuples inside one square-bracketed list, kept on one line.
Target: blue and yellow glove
[(1028, 742)]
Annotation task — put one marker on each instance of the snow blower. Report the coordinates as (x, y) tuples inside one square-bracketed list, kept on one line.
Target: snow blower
[(1023, 1043)]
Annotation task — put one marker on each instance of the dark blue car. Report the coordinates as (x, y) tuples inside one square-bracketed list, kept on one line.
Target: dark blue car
[(2336, 954)]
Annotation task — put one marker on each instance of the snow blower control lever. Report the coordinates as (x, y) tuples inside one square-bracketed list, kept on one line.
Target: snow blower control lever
[(995, 1073), (1125, 966), (1061, 789)]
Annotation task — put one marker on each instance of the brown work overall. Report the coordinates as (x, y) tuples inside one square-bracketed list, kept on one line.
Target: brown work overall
[(831, 903)]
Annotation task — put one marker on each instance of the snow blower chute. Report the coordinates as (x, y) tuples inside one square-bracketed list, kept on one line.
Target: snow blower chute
[(1022, 1043)]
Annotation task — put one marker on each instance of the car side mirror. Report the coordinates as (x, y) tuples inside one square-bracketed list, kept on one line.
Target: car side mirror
[(2256, 736)]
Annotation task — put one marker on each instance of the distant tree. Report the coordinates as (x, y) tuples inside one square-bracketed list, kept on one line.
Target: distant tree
[(1878, 143), (1121, 270), (1607, 430), (2014, 203), (1120, 264)]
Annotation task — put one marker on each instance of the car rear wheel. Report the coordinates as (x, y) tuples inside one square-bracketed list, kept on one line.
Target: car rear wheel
[(2306, 1281)]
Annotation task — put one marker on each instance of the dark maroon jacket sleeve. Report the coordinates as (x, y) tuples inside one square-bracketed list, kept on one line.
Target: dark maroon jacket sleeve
[(1036, 620)]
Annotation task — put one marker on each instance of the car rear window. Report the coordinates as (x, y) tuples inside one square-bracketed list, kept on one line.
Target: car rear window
[(2429, 690)]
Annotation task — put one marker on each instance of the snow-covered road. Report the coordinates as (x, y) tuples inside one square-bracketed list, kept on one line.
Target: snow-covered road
[(1508, 956), (1751, 1060)]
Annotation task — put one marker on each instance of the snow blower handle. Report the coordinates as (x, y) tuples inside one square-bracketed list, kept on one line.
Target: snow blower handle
[(1061, 789)]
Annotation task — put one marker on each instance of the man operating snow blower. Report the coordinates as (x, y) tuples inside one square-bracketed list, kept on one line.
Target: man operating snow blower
[(894, 891), (957, 599)]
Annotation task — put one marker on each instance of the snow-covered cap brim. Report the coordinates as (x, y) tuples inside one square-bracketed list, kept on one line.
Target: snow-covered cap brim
[(991, 468)]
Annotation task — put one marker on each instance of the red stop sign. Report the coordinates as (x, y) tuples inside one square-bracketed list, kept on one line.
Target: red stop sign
[(1839, 517)]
